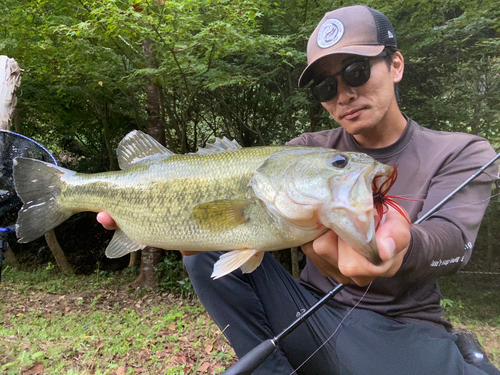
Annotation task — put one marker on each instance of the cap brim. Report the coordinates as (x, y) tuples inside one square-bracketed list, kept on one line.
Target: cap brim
[(307, 74)]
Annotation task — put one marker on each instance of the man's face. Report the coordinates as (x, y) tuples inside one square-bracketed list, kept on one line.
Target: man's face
[(361, 110)]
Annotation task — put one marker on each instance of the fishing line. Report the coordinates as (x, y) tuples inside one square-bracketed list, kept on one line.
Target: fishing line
[(334, 332), (409, 196), (465, 205)]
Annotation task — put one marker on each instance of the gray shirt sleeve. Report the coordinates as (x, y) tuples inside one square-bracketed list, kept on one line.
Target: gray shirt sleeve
[(443, 244)]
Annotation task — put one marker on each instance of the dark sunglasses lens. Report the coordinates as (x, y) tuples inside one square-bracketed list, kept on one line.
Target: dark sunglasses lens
[(326, 89), (357, 74)]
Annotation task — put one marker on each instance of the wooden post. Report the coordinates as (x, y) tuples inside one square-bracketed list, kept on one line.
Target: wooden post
[(10, 79), (58, 253), (11, 259)]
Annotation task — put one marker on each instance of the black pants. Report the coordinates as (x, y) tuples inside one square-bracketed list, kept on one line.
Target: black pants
[(251, 308)]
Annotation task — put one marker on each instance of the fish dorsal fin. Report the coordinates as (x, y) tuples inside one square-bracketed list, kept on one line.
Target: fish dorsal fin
[(121, 245), (137, 146), (220, 145)]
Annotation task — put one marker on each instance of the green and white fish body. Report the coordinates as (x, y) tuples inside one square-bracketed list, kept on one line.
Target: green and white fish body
[(242, 200)]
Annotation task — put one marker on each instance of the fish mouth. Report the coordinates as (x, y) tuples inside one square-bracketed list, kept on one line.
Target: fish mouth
[(358, 205)]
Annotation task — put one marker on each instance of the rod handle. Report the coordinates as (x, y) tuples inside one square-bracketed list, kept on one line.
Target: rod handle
[(253, 359)]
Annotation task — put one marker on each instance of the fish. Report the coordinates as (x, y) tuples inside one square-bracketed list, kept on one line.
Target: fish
[(242, 200)]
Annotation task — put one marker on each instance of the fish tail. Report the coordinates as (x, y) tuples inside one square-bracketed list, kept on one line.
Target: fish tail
[(38, 184)]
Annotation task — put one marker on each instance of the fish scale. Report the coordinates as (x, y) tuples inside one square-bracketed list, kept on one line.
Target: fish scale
[(223, 198)]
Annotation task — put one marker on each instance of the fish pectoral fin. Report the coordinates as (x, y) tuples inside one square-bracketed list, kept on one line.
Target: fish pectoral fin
[(121, 245), (137, 146), (254, 262), (221, 215), (247, 260)]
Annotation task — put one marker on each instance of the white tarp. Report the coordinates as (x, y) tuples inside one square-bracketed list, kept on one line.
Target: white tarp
[(10, 79)]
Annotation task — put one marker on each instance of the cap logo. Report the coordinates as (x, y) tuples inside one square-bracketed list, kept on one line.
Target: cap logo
[(391, 35), (330, 33)]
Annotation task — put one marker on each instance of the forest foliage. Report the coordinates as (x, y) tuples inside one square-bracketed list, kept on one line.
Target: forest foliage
[(93, 70), (227, 68)]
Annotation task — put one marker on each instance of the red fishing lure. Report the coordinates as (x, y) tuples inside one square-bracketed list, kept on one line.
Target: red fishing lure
[(382, 201)]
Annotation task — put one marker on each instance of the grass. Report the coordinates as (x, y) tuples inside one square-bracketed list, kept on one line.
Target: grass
[(95, 325), (473, 302)]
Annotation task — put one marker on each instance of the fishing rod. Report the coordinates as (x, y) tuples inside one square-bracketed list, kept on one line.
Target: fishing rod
[(255, 357)]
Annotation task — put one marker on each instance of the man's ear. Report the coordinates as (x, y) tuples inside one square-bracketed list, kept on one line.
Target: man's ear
[(398, 66)]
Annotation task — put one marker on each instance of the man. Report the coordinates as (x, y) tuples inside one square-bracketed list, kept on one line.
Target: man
[(387, 320)]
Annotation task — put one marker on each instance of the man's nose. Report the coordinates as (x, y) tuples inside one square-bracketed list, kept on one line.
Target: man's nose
[(345, 93)]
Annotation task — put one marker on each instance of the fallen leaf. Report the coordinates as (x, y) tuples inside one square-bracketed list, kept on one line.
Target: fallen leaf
[(208, 348), (37, 369), (181, 358), (99, 344), (172, 327), (120, 370), (204, 367), (214, 366)]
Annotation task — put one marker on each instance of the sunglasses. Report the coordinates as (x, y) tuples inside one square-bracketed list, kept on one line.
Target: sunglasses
[(355, 74)]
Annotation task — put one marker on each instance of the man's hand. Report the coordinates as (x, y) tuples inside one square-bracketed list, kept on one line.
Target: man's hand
[(108, 223), (336, 258)]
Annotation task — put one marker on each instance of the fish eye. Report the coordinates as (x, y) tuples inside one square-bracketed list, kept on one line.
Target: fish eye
[(338, 161)]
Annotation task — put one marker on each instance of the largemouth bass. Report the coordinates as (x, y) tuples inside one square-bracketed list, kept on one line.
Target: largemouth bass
[(243, 200)]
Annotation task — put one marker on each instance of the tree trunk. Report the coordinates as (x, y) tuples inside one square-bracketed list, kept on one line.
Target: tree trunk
[(151, 256), (490, 217), (113, 165), (294, 259), (58, 253), (155, 125), (489, 235), (135, 258), (11, 258)]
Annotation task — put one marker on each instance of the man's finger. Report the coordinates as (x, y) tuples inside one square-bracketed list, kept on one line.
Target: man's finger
[(323, 253), (393, 236), (106, 221)]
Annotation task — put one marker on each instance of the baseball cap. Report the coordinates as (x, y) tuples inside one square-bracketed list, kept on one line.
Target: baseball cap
[(357, 30)]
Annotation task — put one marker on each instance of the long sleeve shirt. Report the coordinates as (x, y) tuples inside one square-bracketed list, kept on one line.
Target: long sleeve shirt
[(431, 164)]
